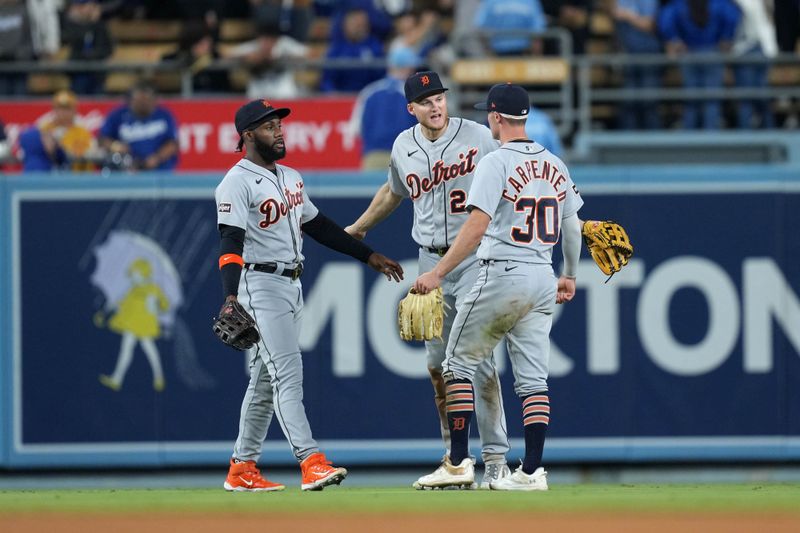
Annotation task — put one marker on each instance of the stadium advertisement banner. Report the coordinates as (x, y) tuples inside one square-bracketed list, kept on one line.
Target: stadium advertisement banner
[(318, 132), (690, 353)]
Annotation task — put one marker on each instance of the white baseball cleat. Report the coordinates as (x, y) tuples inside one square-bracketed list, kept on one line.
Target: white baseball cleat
[(448, 476), (519, 480), (494, 472)]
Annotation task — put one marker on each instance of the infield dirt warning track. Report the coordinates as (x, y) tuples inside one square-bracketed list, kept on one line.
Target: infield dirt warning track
[(391, 523), (702, 508)]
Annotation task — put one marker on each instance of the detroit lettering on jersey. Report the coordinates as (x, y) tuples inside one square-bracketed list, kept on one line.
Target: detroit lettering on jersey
[(436, 176), (441, 172), (530, 171), (271, 206), (273, 210)]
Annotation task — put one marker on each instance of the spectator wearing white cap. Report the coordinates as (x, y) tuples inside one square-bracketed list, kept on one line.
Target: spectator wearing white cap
[(380, 112), (755, 37)]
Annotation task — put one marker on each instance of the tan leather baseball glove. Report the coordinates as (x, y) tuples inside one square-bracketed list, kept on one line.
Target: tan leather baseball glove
[(421, 316), (609, 244)]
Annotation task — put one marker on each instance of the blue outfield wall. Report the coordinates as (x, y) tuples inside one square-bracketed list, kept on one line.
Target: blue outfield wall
[(690, 354)]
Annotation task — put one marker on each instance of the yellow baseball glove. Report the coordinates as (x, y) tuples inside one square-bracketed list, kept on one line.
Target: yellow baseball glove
[(421, 316), (608, 243)]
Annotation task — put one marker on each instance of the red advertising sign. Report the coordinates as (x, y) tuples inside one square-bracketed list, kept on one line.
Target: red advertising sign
[(318, 133)]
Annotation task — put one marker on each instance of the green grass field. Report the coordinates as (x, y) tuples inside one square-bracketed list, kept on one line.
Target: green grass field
[(738, 498)]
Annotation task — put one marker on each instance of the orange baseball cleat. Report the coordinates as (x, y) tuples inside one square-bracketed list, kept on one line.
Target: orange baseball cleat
[(318, 472), (245, 477)]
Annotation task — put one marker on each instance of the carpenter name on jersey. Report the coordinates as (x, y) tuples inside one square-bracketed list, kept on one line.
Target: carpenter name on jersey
[(270, 207), (436, 175), (528, 192), (529, 170)]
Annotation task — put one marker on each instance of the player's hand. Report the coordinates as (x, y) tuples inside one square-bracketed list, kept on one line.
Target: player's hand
[(388, 267), (356, 234), (119, 146), (152, 162), (566, 290), (427, 282)]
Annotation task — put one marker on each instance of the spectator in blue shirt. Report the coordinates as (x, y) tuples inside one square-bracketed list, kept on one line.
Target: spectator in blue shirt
[(357, 43), (35, 155), (699, 26), (380, 113), (520, 15), (635, 25), (143, 130), (540, 128), (380, 21), (58, 141)]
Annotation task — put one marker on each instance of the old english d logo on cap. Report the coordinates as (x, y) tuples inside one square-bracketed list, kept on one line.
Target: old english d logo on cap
[(423, 84), (255, 112)]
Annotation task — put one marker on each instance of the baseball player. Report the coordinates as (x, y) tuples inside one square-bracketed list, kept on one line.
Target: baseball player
[(433, 164), (263, 211), (522, 199)]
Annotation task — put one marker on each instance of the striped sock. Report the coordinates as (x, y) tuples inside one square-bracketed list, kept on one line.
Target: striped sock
[(460, 404), (535, 417)]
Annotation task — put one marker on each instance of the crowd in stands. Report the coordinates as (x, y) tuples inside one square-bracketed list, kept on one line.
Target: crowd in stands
[(369, 46), (138, 135)]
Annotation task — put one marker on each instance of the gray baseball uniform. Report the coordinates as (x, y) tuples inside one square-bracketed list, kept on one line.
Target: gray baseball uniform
[(436, 176), (527, 192), (270, 207)]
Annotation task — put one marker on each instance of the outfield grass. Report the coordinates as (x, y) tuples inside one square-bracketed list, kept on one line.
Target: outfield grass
[(738, 498)]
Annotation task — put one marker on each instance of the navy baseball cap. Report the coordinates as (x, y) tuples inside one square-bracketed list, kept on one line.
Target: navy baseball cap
[(422, 85), (507, 99), (256, 112)]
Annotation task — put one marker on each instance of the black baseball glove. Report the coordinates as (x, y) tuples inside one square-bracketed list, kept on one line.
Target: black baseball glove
[(235, 327)]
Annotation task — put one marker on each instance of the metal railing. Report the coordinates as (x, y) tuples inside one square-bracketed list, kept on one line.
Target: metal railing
[(588, 95), (172, 67), (569, 117), (556, 102)]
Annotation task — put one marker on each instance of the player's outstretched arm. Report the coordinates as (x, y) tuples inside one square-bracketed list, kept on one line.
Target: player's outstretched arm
[(388, 267), (382, 205), (468, 238), (328, 233)]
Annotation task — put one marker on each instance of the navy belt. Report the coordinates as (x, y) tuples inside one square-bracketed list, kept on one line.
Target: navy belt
[(438, 251), (271, 268)]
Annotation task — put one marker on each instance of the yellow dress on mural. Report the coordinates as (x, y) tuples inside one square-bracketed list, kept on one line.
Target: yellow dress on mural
[(133, 314), (137, 322)]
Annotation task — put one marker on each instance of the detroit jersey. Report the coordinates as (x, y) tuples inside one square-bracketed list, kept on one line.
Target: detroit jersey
[(437, 175), (528, 192), (270, 207)]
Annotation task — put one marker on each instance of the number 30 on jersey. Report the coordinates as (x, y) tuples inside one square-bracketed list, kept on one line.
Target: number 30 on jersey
[(541, 220)]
